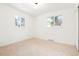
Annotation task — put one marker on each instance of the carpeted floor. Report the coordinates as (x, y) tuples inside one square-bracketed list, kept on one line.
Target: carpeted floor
[(38, 47)]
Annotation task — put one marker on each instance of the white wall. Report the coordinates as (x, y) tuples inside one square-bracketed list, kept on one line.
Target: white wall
[(33, 28), (9, 33), (78, 29), (66, 33), (77, 45)]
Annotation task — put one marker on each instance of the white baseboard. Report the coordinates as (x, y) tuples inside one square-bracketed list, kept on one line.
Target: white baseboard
[(14, 41), (25, 38), (59, 41)]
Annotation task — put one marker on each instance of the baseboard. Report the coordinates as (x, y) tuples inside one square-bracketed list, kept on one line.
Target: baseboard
[(63, 42), (12, 42), (26, 38)]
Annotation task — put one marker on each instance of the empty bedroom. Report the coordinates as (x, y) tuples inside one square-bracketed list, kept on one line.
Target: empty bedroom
[(39, 29)]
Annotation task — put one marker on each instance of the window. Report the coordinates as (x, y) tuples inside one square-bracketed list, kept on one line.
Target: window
[(19, 21)]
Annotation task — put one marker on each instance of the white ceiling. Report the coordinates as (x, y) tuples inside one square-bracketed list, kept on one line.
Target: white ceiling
[(43, 8)]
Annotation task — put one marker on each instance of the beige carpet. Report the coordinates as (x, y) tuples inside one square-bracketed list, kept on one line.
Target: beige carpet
[(38, 47)]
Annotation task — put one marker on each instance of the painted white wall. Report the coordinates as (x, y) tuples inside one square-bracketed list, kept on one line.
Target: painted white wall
[(9, 33), (33, 28), (77, 45), (66, 33)]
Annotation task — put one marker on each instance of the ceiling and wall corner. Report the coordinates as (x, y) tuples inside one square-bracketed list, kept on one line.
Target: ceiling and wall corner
[(42, 8)]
